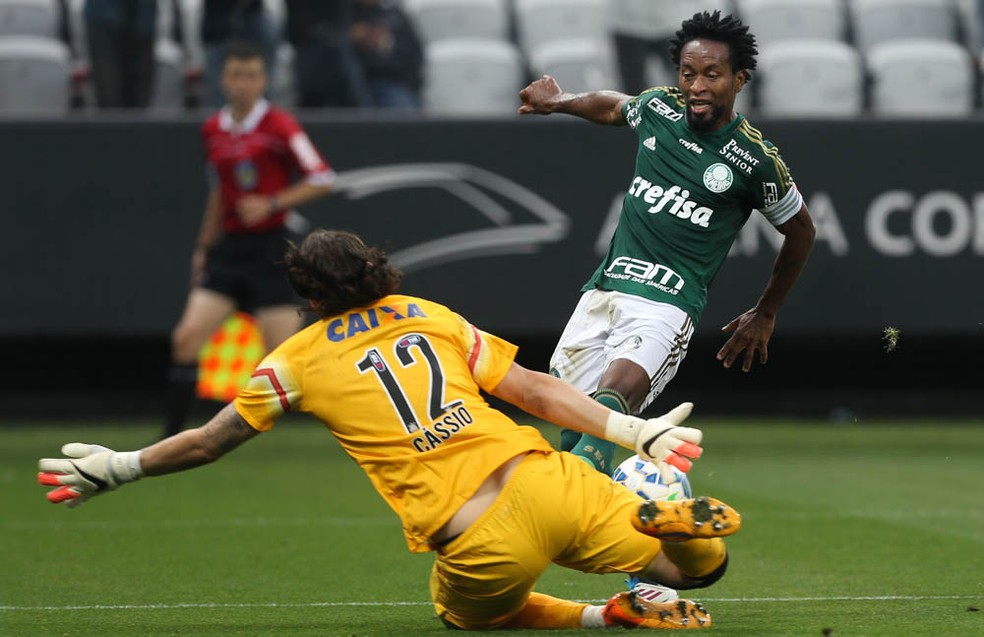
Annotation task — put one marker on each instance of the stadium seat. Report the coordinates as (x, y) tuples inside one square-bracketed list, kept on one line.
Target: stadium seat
[(169, 88), (539, 22), (29, 17), (877, 21), (452, 19), (812, 78), (473, 77), (34, 75), (577, 65), (921, 78), (778, 20)]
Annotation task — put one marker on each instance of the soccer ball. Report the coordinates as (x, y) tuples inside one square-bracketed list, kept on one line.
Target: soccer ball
[(641, 477)]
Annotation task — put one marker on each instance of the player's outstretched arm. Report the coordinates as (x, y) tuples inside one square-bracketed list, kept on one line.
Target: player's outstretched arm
[(89, 470), (658, 439), (544, 96), (751, 332)]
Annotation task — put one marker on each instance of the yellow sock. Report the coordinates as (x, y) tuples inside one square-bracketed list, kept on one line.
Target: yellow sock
[(543, 611), (698, 557)]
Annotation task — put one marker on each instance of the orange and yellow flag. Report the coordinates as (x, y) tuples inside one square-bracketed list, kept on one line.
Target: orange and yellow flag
[(229, 357)]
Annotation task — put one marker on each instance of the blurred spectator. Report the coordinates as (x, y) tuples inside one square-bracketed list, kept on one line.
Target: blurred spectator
[(978, 41), (121, 36), (328, 72), (390, 53), (224, 21)]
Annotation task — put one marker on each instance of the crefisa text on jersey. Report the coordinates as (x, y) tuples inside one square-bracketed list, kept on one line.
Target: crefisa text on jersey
[(454, 420)]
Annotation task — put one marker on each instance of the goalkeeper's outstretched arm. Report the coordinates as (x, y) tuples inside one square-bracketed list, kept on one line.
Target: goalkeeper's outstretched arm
[(658, 439), (195, 447), (89, 470)]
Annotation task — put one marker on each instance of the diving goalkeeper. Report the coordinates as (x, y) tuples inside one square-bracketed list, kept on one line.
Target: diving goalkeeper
[(397, 380)]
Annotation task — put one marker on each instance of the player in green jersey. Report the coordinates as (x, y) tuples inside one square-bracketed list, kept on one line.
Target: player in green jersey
[(701, 169)]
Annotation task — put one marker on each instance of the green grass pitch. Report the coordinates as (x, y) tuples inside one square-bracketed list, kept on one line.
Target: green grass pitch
[(867, 529)]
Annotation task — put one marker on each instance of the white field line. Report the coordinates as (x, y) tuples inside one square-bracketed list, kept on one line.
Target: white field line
[(719, 600), (193, 523)]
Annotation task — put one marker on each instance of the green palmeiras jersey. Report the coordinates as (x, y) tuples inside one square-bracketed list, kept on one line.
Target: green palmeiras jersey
[(691, 194)]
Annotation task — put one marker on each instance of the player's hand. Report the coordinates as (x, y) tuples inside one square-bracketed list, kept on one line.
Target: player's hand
[(87, 471), (661, 440), (665, 443), (253, 209), (750, 333), (539, 96)]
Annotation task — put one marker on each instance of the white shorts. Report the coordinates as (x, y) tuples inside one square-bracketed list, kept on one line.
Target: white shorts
[(608, 326)]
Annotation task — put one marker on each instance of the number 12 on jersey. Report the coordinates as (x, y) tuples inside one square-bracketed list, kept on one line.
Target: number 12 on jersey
[(403, 349)]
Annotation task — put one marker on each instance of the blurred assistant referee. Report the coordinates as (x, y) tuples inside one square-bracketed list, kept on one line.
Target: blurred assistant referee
[(255, 153)]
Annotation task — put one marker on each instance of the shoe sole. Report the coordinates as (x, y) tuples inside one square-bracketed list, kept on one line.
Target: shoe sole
[(686, 519), (627, 609)]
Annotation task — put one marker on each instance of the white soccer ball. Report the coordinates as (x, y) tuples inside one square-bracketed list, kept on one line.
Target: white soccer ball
[(642, 477)]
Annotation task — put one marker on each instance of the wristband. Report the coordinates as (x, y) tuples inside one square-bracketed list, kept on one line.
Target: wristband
[(125, 466), (274, 204), (623, 429)]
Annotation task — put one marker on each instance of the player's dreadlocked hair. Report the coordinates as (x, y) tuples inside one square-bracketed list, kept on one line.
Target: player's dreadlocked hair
[(338, 272), (727, 30)]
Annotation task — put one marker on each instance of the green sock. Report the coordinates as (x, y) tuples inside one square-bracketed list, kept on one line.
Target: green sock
[(568, 438), (598, 452)]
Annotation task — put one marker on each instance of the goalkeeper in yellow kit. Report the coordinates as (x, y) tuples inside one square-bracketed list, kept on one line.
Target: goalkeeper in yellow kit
[(397, 381)]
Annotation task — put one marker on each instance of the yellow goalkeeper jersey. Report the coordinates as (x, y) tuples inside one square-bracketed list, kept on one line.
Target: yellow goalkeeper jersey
[(398, 385)]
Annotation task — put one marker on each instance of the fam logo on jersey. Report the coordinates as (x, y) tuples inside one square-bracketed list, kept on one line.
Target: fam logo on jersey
[(664, 110), (770, 193), (246, 175), (650, 143), (652, 274), (718, 177), (675, 200)]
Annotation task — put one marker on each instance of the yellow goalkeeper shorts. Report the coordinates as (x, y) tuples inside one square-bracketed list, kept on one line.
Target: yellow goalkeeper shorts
[(555, 508)]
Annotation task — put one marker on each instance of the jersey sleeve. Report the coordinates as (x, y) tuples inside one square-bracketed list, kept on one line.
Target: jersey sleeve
[(272, 391), (307, 158), (489, 357), (659, 101), (777, 196)]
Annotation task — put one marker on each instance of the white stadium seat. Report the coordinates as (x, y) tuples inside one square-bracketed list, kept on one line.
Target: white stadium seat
[(778, 20), (877, 21), (473, 77), (577, 65), (34, 75), (812, 78), (452, 19), (29, 17), (921, 78), (539, 22)]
